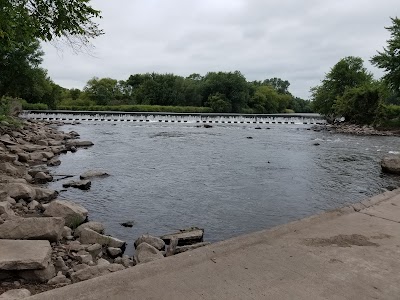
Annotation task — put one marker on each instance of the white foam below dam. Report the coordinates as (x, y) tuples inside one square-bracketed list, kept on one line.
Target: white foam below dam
[(311, 119)]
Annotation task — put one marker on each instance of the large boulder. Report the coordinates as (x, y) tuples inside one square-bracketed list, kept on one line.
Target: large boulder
[(24, 255), (89, 236), (95, 271), (38, 275), (32, 229), (7, 157), (73, 214), (18, 191), (391, 164), (145, 253), (15, 294), (94, 173), (156, 242), (96, 226), (8, 168), (43, 194), (5, 208)]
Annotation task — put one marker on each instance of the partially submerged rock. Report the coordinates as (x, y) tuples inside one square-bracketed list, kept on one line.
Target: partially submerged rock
[(81, 184), (185, 236), (94, 173), (391, 164), (79, 143)]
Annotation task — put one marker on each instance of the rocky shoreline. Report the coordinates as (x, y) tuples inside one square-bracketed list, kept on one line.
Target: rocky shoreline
[(347, 128), (47, 241)]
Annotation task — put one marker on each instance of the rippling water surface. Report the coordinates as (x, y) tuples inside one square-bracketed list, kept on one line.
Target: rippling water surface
[(171, 176)]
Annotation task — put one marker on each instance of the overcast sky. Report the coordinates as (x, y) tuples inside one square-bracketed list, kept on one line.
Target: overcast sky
[(295, 40)]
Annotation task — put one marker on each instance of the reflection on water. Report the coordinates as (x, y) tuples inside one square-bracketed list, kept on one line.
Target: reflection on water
[(171, 176)]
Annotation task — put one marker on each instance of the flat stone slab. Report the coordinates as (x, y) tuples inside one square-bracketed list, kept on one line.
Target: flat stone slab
[(24, 255), (185, 237)]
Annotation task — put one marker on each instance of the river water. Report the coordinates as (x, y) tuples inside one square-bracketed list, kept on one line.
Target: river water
[(170, 176)]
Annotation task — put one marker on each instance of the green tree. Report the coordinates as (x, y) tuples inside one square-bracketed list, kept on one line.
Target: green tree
[(389, 58), (349, 72), (281, 86), (101, 91), (47, 20), (360, 104), (219, 103), (232, 85)]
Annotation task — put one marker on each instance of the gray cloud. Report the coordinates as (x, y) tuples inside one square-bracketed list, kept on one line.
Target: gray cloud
[(296, 40)]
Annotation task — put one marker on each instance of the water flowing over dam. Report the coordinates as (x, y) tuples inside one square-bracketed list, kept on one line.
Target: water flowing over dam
[(153, 117)]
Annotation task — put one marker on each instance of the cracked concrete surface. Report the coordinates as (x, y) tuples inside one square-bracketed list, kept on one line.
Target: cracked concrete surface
[(353, 254)]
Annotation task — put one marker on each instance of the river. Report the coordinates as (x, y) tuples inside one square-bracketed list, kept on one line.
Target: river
[(230, 179)]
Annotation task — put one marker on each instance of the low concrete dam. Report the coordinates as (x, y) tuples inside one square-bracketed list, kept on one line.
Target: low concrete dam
[(153, 117)]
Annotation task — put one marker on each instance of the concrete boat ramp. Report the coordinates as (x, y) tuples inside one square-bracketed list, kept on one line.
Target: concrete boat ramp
[(350, 253)]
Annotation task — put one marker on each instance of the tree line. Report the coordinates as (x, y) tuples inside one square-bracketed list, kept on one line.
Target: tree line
[(349, 90), (223, 92), (24, 24)]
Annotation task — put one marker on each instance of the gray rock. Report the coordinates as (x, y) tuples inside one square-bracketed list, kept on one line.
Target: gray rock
[(73, 214), (5, 208), (15, 294), (66, 232), (60, 264), (20, 191), (59, 279), (96, 226), (32, 229), (80, 267), (391, 164), (84, 258), (54, 162), (114, 252), (24, 255), (42, 177), (186, 236), (33, 205), (7, 157), (145, 253), (95, 271), (8, 168), (126, 261), (102, 262), (45, 194), (94, 173), (94, 250), (89, 236), (38, 275), (156, 242), (81, 184), (75, 246), (78, 143)]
